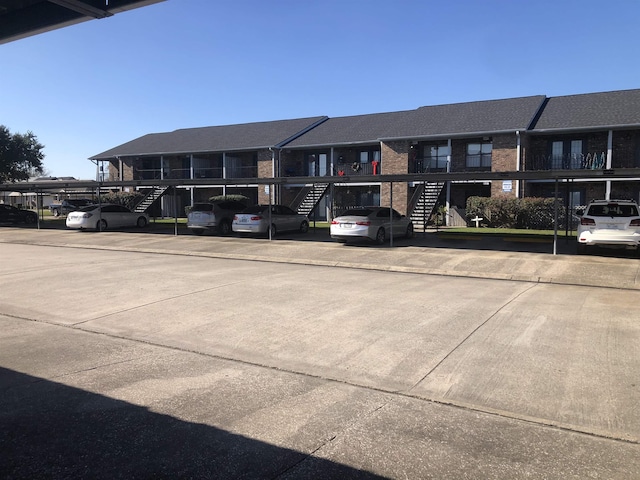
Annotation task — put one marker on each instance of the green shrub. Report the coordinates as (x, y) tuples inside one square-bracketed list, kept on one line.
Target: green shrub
[(507, 212), (128, 199)]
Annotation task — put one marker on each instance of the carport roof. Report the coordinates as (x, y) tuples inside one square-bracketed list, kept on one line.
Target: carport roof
[(23, 18), (226, 138), (616, 109), (443, 121)]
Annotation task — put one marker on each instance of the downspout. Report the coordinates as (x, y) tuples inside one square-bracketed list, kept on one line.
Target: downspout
[(518, 160), (607, 193)]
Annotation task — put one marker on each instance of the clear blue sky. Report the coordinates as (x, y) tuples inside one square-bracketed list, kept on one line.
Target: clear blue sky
[(191, 63)]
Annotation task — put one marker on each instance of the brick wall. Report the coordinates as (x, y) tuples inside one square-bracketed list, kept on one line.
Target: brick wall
[(395, 160), (503, 159), (265, 170)]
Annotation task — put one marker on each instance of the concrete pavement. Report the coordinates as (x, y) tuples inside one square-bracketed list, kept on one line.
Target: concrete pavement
[(435, 253), (109, 373)]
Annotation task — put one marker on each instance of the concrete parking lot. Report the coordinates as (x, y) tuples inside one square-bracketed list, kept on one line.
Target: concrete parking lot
[(128, 354)]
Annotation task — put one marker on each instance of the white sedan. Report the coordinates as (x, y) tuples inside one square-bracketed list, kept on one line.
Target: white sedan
[(257, 219), (371, 223), (104, 216)]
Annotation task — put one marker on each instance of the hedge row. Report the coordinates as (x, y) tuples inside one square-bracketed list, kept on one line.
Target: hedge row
[(504, 212)]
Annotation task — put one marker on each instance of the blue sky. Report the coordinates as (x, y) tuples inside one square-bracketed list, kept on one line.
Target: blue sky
[(191, 63)]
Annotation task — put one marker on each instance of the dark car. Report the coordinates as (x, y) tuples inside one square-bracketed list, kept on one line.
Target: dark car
[(69, 205), (213, 216), (13, 215)]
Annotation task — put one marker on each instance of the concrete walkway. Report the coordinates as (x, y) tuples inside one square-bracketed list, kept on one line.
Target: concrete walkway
[(503, 258)]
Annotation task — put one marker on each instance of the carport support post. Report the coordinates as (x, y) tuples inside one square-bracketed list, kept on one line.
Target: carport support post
[(555, 220), (391, 214), (175, 210)]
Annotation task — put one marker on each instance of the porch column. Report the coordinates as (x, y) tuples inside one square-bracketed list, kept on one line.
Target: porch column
[(448, 191), (224, 172), (607, 192)]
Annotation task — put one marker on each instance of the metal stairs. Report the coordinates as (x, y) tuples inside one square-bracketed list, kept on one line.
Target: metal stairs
[(151, 196), (312, 197), (426, 204)]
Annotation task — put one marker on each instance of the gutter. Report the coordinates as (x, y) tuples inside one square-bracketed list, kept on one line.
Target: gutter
[(584, 129), (454, 135)]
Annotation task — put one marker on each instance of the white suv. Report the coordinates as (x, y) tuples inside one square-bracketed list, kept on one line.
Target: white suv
[(609, 223)]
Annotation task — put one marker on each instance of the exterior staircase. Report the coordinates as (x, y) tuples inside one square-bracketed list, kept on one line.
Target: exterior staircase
[(425, 205), (151, 196), (311, 197)]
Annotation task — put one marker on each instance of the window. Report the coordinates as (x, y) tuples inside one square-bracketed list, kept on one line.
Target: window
[(368, 156), (566, 154), (435, 156), (479, 155)]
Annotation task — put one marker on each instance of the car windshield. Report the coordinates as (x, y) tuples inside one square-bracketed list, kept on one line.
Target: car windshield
[(613, 210), (357, 212), (202, 207)]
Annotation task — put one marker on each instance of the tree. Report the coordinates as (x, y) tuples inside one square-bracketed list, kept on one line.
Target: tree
[(20, 156)]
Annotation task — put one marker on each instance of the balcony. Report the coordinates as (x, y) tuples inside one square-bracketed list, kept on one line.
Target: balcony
[(207, 172), (570, 161), (357, 168), (428, 165)]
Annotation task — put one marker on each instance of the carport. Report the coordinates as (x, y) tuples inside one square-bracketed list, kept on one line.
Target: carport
[(557, 176)]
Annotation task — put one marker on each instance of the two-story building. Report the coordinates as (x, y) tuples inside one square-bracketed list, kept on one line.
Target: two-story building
[(536, 133)]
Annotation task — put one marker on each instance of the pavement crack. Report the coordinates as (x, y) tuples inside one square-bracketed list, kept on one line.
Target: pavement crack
[(473, 332), (156, 302)]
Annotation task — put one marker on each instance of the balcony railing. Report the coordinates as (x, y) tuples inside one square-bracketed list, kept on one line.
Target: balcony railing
[(357, 168), (240, 171), (212, 172), (428, 165), (570, 161)]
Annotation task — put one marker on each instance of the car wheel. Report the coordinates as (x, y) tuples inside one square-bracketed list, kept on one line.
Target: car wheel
[(30, 219), (410, 232), (271, 232), (381, 236), (224, 228), (304, 226), (142, 222), (581, 248), (102, 225), (197, 231), (56, 212)]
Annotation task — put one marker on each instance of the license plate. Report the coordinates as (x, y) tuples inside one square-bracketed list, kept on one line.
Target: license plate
[(346, 225)]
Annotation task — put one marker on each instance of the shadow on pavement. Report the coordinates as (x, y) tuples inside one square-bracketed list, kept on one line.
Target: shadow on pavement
[(49, 430)]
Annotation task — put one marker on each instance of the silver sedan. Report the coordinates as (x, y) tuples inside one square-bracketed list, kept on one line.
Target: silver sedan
[(371, 223), (257, 219)]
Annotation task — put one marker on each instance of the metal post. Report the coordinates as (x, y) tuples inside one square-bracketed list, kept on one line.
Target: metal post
[(270, 221), (555, 220), (175, 210), (391, 214)]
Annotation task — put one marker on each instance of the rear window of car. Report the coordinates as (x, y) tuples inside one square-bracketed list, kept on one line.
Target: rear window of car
[(613, 210), (357, 212), (202, 207), (255, 209)]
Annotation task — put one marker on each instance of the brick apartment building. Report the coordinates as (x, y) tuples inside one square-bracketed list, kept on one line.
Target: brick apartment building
[(575, 132)]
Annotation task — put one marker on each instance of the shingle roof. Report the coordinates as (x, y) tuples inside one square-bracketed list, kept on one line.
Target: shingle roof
[(247, 136), (441, 120), (592, 110)]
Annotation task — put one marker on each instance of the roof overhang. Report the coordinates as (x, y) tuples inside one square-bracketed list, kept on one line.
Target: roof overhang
[(24, 18)]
